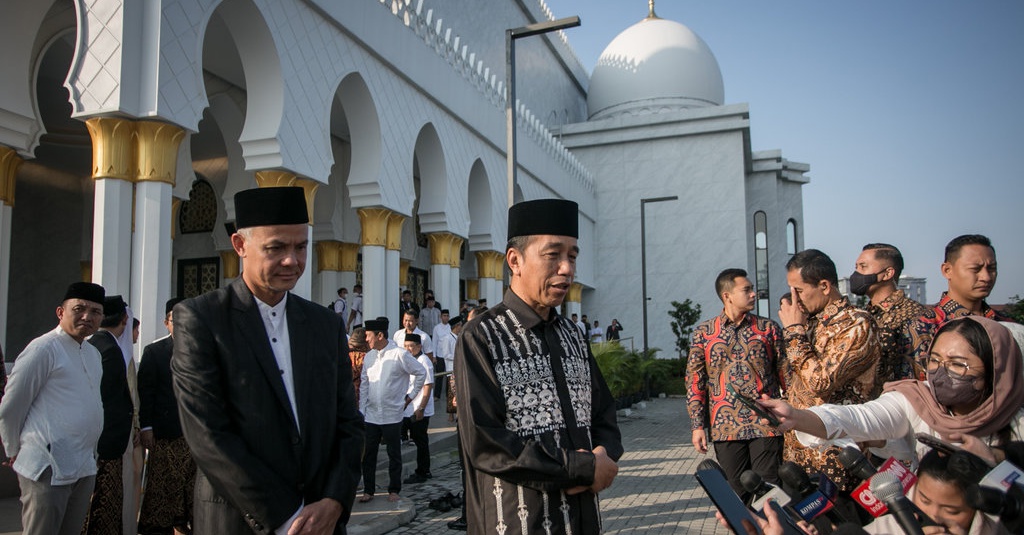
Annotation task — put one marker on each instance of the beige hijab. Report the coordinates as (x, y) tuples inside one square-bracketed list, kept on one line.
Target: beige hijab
[(996, 411)]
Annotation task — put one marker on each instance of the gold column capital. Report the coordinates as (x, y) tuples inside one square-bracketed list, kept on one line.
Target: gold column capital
[(276, 178), (575, 293), (157, 151), (9, 163), (230, 261), (328, 255), (490, 264), (440, 247), (349, 256), (113, 152), (472, 289), (456, 260), (403, 272), (395, 222), (374, 226)]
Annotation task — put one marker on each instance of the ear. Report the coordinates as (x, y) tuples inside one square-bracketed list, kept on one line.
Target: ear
[(238, 244), (514, 259), (825, 286), (947, 270), (60, 313)]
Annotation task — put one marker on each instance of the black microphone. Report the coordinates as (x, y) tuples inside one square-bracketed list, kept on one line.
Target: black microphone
[(1009, 506), (1014, 452), (856, 463), (762, 491), (811, 501), (887, 487)]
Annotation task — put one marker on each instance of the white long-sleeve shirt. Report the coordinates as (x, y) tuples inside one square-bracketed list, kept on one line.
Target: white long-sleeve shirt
[(52, 412), (417, 394), (425, 341), (385, 380), (890, 417)]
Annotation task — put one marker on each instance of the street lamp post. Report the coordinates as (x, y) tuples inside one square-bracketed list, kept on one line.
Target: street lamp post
[(643, 255), (511, 35)]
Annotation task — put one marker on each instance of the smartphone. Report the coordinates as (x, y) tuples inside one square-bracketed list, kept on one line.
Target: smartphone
[(727, 502), (937, 443), (752, 405)]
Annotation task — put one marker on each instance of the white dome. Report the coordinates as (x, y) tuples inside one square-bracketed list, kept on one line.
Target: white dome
[(654, 64)]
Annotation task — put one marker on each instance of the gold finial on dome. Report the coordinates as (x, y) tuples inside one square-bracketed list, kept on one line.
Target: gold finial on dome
[(650, 7)]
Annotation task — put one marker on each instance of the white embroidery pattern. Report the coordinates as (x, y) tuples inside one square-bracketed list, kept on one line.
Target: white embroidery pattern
[(547, 523), (501, 526), (522, 510)]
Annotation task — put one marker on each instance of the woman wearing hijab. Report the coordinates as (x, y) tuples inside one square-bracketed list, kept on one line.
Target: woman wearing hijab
[(974, 387)]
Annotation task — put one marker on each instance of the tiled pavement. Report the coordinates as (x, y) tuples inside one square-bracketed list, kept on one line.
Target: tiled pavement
[(654, 493)]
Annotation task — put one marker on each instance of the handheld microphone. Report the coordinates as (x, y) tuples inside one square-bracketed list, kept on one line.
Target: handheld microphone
[(888, 488), (1009, 506), (762, 491), (812, 500), (856, 463)]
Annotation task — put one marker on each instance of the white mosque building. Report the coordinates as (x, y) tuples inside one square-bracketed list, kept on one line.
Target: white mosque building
[(126, 127)]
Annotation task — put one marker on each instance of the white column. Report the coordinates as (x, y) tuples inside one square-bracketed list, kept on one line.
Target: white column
[(440, 282), (6, 212), (151, 263), (328, 281), (392, 293), (452, 303), (374, 282), (346, 279), (304, 286), (112, 236), (572, 307), (495, 295), (486, 289)]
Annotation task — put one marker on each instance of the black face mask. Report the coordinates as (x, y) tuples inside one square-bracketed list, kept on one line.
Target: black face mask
[(859, 282), (953, 391)]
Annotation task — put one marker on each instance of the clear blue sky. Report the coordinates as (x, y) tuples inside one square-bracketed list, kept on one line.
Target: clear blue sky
[(910, 113)]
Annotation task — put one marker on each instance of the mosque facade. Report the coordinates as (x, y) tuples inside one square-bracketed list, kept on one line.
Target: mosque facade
[(127, 127)]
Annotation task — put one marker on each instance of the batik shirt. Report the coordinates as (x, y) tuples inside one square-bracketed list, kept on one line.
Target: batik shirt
[(530, 395), (904, 342), (948, 309), (831, 360), (746, 355)]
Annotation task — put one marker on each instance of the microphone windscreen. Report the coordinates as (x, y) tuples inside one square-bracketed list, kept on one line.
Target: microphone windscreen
[(985, 499), (886, 486), (1015, 452), (750, 480), (708, 464), (856, 463), (795, 477)]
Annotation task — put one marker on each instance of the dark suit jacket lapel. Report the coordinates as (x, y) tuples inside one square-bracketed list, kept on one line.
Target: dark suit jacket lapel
[(250, 326), (302, 367)]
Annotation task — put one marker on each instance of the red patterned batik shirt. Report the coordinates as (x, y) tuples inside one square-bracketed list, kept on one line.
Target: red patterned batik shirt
[(746, 355)]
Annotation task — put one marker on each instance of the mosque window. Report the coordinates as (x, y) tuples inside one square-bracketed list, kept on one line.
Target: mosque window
[(761, 262), (199, 212), (791, 237)]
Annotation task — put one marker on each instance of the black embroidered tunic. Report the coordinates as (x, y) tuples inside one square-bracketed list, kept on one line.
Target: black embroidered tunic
[(530, 396)]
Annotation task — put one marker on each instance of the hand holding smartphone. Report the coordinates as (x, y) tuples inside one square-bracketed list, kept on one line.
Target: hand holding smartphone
[(752, 405)]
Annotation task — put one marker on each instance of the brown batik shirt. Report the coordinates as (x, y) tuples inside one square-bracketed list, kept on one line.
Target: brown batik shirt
[(904, 342), (831, 360)]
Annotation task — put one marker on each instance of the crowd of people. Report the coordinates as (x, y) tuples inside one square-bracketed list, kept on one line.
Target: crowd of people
[(262, 411), (830, 375)]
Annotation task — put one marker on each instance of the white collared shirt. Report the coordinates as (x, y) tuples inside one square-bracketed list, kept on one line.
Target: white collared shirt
[(425, 341), (275, 320), (417, 395), (385, 380), (52, 413)]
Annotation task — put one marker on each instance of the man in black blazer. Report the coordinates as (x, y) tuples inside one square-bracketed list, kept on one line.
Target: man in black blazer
[(118, 413), (264, 386), (170, 470)]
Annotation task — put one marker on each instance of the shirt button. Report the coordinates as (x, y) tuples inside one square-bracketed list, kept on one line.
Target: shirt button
[(273, 340)]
